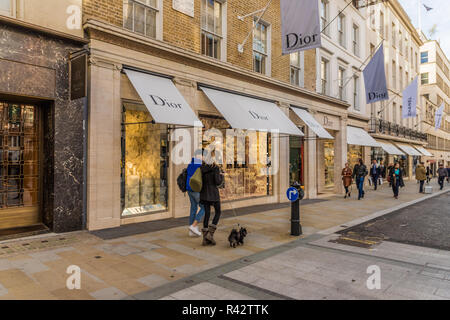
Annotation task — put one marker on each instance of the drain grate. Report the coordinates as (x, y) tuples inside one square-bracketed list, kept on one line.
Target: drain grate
[(26, 246)]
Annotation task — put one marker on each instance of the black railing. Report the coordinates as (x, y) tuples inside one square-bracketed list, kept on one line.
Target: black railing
[(393, 129)]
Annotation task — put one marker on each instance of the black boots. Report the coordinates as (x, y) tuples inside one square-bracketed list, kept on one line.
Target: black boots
[(205, 241), (208, 235)]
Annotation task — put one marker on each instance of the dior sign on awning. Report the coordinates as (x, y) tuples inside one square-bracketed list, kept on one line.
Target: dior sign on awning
[(162, 99), (300, 25)]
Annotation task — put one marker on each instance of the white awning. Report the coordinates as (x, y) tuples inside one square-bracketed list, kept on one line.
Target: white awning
[(312, 123), (424, 151), (409, 150), (360, 137), (162, 99), (390, 148), (251, 114)]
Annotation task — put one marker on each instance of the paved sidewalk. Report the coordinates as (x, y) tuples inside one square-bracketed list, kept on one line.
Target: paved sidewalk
[(114, 269)]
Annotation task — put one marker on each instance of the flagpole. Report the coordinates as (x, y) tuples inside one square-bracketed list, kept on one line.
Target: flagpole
[(420, 15)]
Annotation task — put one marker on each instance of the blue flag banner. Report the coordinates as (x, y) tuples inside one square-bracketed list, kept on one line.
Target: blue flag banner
[(375, 78)]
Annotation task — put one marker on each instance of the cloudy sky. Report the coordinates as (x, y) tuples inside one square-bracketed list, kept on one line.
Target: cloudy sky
[(439, 16)]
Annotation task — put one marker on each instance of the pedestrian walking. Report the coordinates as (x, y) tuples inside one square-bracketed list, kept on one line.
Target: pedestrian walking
[(359, 173), (421, 176), (428, 174), (389, 168), (193, 187), (210, 197), (347, 179), (375, 173), (442, 174), (382, 172), (448, 173), (396, 177)]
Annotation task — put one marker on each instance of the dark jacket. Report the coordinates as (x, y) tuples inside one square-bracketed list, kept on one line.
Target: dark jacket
[(394, 177), (360, 171), (383, 171), (442, 173), (211, 179), (377, 171), (192, 167)]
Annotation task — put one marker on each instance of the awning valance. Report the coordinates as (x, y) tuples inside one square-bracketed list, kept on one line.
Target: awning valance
[(247, 113), (390, 148), (409, 150), (360, 137), (424, 151), (312, 123), (162, 99)]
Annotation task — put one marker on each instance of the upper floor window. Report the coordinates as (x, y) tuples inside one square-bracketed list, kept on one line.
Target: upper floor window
[(416, 60), (400, 76), (324, 76), (6, 7), (424, 57), (382, 24), (393, 34), (355, 40), (394, 75), (400, 42), (341, 29), (424, 78), (324, 8), (372, 49), (356, 92), (341, 79), (296, 68), (140, 16), (211, 28), (260, 48)]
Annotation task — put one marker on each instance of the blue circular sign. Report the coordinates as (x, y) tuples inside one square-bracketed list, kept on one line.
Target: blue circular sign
[(292, 194)]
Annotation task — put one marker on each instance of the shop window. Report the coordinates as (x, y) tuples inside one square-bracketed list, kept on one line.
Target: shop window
[(211, 28), (140, 16), (260, 48), (354, 153), (144, 162), (243, 179), (296, 160)]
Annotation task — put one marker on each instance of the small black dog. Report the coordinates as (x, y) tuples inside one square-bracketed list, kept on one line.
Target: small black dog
[(237, 237)]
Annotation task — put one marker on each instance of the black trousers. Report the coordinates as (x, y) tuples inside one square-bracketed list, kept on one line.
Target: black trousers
[(375, 181), (346, 190), (441, 182), (421, 185), (217, 212), (396, 187)]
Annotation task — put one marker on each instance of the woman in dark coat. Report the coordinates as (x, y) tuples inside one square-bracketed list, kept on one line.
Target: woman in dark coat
[(347, 179), (396, 178), (212, 178)]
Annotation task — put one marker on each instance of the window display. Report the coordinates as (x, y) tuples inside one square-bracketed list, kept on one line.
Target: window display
[(379, 154), (296, 159), (242, 179), (144, 162), (354, 154), (328, 151)]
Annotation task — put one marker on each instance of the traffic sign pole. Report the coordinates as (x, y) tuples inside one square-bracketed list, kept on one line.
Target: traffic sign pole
[(294, 193)]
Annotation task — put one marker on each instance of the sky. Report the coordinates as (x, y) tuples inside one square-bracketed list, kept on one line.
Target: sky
[(439, 16)]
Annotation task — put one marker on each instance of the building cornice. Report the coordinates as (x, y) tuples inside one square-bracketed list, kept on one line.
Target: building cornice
[(403, 16), (43, 30), (92, 25)]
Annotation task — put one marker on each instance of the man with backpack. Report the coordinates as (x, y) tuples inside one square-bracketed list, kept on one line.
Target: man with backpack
[(190, 180)]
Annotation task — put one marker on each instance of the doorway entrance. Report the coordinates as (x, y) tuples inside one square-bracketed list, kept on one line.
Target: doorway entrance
[(19, 165), (296, 160)]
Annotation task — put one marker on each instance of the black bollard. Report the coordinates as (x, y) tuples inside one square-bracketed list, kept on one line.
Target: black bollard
[(296, 227)]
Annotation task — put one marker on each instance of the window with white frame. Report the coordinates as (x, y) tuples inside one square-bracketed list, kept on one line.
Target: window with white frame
[(341, 29), (260, 47), (324, 8), (355, 40), (7, 7), (211, 28), (341, 80), (140, 16), (324, 76), (394, 112), (296, 63), (381, 24), (424, 78), (393, 34), (356, 92), (394, 75), (400, 76)]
